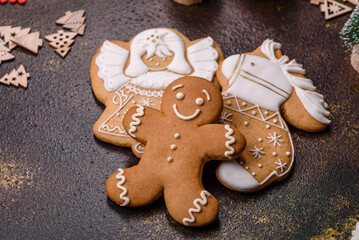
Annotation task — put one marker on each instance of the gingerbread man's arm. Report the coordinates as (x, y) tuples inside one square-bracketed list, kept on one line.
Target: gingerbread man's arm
[(140, 122), (222, 142)]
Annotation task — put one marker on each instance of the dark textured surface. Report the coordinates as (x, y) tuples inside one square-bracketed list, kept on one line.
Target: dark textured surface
[(53, 170)]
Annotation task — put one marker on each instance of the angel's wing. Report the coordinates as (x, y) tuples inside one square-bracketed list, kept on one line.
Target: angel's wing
[(111, 62), (203, 58)]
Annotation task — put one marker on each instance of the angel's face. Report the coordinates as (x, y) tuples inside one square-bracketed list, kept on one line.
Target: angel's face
[(157, 63), (193, 100), (157, 56)]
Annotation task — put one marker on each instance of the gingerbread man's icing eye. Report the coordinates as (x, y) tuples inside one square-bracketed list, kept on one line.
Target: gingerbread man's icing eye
[(199, 101), (180, 96)]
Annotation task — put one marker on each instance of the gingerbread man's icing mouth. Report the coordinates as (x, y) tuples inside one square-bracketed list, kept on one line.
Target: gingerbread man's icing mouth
[(178, 114)]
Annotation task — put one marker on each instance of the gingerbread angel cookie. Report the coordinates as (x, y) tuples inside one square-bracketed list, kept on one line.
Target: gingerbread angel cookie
[(179, 141), (124, 74), (260, 90)]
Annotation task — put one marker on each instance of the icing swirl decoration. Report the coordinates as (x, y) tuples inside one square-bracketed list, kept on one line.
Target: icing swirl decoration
[(197, 209), (136, 121), (229, 142), (122, 179)]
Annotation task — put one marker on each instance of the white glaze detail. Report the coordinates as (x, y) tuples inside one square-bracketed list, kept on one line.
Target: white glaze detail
[(122, 179), (355, 232), (281, 166), (275, 139), (199, 101), (180, 95), (155, 80), (256, 152), (177, 86), (197, 208), (136, 121), (177, 135), (161, 42), (194, 115), (140, 148), (229, 142), (225, 117), (111, 63), (207, 94), (173, 147), (312, 101), (147, 102), (169, 159), (203, 58)]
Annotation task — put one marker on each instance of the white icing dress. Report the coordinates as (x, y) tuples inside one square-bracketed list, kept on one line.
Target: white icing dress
[(132, 82), (257, 88)]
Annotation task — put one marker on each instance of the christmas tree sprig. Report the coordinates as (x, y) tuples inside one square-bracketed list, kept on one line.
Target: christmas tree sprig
[(350, 31)]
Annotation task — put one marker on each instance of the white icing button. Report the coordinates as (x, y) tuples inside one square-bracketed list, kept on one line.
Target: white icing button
[(287, 153), (260, 165), (134, 102), (246, 123), (226, 94), (117, 114), (151, 59), (180, 96), (241, 162), (170, 159), (254, 174), (177, 135), (111, 126), (173, 147), (266, 112), (164, 59), (244, 104), (199, 101), (157, 64), (254, 112), (229, 103), (274, 154), (260, 140), (268, 127), (246, 167), (275, 120)]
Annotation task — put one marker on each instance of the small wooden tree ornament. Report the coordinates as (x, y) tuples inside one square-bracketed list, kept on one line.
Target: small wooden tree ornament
[(333, 9), (72, 20), (16, 77), (61, 41), (9, 33), (5, 54), (30, 41)]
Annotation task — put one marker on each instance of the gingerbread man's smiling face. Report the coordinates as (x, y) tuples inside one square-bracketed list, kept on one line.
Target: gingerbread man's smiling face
[(192, 99)]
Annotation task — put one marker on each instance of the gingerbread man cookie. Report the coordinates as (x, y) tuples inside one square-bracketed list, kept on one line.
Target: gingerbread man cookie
[(260, 90), (179, 141), (124, 74)]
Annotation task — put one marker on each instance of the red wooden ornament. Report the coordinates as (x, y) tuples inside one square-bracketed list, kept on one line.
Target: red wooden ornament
[(3, 1), (19, 1)]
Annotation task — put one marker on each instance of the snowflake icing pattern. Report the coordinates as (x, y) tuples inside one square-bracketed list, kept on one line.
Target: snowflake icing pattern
[(281, 165), (275, 139), (225, 117), (256, 152), (147, 103)]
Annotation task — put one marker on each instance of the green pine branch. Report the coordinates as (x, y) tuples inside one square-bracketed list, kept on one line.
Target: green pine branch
[(350, 31)]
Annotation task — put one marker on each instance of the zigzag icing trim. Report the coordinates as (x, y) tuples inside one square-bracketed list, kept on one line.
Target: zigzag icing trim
[(229, 142), (122, 179), (312, 101), (197, 209), (136, 121)]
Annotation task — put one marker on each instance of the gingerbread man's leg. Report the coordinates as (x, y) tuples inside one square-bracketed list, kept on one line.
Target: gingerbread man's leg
[(189, 204), (133, 187)]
